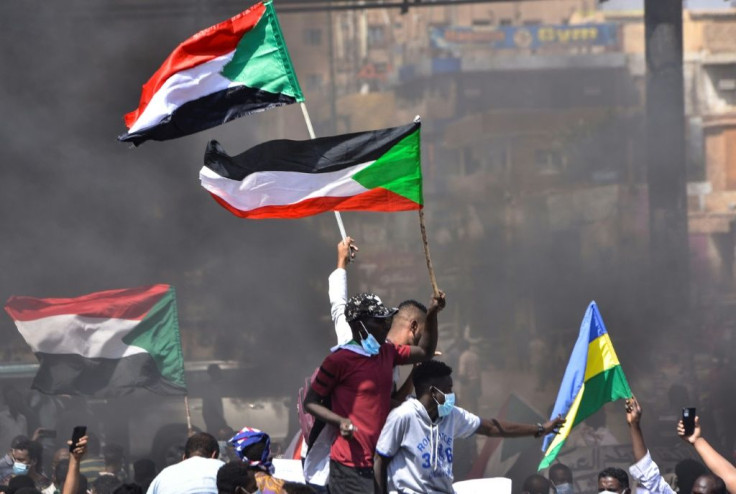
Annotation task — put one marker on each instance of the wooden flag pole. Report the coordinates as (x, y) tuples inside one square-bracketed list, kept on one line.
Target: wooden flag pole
[(308, 121), (189, 416), (432, 278)]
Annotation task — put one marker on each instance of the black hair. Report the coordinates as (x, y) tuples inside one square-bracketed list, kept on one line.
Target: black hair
[(562, 468), (687, 471), (536, 484), (617, 474), (21, 443), (106, 484), (413, 303), (129, 489), (233, 475), (201, 444), (255, 450), (20, 481), (82, 486), (429, 372)]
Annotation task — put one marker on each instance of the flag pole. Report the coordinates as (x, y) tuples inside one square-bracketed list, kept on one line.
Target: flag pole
[(432, 278), (308, 121), (189, 416)]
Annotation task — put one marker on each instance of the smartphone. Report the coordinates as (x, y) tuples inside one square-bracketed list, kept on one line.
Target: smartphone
[(78, 433), (688, 420), (47, 433)]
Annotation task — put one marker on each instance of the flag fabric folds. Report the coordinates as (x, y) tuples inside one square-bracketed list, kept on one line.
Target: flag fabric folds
[(593, 378), (365, 171), (104, 344), (226, 71)]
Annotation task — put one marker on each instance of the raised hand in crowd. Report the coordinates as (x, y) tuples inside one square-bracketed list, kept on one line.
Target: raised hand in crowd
[(712, 459), (346, 251), (71, 484)]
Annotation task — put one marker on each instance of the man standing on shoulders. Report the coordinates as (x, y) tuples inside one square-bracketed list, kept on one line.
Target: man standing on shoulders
[(357, 378), (415, 449), (196, 474)]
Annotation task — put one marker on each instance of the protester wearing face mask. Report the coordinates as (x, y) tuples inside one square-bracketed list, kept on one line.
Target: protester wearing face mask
[(613, 479), (357, 378), (561, 477), (415, 449), (26, 456)]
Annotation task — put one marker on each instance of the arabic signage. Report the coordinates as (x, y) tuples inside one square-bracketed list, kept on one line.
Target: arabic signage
[(525, 37)]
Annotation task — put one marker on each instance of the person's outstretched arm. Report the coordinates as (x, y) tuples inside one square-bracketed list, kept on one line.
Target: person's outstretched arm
[(428, 341), (503, 428), (644, 470), (712, 459), (338, 290), (71, 484)]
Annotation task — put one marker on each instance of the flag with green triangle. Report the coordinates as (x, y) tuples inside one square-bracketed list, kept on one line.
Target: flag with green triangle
[(104, 344), (237, 67), (378, 170)]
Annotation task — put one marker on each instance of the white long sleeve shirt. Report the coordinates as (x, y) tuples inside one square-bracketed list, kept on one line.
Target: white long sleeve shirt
[(646, 472)]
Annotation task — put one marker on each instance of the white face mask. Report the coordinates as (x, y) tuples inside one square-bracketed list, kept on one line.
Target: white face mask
[(565, 488)]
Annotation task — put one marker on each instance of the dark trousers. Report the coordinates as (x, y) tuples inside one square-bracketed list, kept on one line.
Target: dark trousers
[(350, 480)]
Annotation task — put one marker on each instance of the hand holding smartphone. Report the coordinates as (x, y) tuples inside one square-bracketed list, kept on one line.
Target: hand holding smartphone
[(688, 421), (79, 432)]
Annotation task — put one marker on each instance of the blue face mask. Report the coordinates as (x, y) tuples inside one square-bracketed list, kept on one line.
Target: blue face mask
[(564, 488), (369, 343), (445, 408), (20, 468)]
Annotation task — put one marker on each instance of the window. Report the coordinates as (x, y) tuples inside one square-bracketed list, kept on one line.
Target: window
[(313, 37)]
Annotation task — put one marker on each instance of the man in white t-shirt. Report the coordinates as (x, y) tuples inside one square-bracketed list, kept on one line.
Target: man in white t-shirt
[(415, 448), (196, 474)]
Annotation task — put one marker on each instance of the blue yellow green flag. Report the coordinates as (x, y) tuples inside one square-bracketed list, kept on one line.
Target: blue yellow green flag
[(593, 378)]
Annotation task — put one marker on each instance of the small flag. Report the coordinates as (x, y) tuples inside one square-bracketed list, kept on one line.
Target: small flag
[(104, 344), (224, 72), (593, 378), (366, 171)]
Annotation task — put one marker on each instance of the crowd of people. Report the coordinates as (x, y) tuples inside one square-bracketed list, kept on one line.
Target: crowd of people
[(366, 432)]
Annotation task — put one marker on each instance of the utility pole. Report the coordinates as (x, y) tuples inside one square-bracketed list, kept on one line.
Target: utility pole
[(666, 169)]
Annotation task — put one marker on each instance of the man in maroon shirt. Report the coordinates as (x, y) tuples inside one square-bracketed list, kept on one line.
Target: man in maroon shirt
[(357, 378)]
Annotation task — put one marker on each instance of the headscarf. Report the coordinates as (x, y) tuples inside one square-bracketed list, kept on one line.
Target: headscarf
[(247, 437)]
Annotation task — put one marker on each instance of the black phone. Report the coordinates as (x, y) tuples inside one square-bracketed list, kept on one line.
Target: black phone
[(79, 432), (688, 420)]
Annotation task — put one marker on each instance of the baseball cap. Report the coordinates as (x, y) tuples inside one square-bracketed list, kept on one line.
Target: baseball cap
[(367, 305)]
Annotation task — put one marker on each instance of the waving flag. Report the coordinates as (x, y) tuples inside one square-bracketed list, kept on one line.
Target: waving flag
[(593, 378), (365, 171), (104, 344), (234, 68)]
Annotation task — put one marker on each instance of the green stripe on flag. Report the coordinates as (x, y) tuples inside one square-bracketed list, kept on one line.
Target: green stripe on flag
[(398, 170), (607, 386), (158, 334), (261, 59)]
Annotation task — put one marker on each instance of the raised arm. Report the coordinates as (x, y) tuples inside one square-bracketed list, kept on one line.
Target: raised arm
[(502, 428), (71, 484), (633, 418), (644, 470), (313, 403), (428, 341), (338, 290), (712, 459)]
